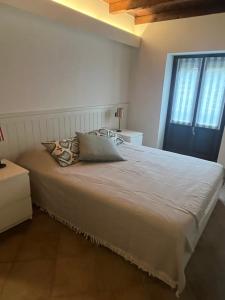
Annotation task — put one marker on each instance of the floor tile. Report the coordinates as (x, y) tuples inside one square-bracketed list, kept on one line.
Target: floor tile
[(89, 296), (38, 246), (74, 276), (42, 223), (135, 292), (4, 272), (29, 281), (114, 273), (10, 242), (73, 244)]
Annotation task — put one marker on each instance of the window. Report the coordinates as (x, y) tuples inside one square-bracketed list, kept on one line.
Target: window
[(199, 91)]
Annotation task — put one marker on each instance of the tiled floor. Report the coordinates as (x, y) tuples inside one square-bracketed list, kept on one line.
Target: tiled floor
[(42, 259)]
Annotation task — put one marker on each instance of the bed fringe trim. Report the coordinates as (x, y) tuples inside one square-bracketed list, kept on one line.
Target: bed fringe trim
[(125, 255)]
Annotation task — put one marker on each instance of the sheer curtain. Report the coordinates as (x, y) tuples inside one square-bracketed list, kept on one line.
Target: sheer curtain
[(212, 92), (184, 97), (211, 100)]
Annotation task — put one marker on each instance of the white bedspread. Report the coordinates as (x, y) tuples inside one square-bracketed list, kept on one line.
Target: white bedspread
[(147, 209)]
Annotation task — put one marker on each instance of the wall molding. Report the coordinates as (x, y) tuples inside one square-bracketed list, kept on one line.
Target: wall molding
[(59, 110), (26, 130)]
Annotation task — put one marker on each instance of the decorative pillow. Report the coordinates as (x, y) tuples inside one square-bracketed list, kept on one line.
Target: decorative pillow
[(65, 152), (109, 134), (97, 148)]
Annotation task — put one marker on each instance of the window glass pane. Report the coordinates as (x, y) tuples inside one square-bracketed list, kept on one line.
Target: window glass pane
[(187, 77), (211, 101)]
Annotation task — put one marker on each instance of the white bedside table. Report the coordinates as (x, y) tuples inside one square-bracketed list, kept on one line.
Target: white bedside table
[(130, 136), (15, 200)]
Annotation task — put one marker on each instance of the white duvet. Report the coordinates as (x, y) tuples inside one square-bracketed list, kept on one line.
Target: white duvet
[(151, 209)]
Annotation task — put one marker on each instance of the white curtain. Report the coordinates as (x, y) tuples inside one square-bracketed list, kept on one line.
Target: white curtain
[(212, 92), (186, 83), (211, 100)]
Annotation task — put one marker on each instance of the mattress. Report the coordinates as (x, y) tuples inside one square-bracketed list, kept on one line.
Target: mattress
[(151, 209)]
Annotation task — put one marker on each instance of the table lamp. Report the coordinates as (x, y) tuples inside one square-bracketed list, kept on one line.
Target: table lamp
[(119, 114), (2, 139)]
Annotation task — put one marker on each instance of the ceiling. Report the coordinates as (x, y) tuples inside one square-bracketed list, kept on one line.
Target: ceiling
[(148, 11)]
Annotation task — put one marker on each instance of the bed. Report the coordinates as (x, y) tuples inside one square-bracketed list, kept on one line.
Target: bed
[(150, 209)]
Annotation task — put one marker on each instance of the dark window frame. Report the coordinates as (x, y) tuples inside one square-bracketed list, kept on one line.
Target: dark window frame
[(172, 86)]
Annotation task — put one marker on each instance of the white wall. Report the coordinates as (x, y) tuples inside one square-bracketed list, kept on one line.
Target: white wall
[(205, 33), (45, 65)]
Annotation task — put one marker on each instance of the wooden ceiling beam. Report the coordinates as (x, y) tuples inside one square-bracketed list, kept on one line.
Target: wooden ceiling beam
[(148, 11), (179, 13), (168, 6), (126, 5), (111, 1)]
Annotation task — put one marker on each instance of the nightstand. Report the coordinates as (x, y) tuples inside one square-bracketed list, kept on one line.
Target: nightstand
[(15, 200), (133, 137)]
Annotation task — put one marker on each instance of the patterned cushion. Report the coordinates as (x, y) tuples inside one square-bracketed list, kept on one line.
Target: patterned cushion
[(108, 133), (65, 152)]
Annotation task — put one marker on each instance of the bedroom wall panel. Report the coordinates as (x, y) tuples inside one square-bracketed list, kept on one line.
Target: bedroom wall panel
[(26, 130)]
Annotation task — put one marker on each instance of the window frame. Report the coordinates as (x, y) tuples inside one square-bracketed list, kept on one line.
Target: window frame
[(173, 82)]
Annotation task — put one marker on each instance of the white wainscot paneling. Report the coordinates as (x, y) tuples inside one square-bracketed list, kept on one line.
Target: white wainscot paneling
[(26, 130)]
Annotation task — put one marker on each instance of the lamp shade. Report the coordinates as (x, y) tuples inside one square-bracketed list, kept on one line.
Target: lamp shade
[(120, 112), (1, 135)]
